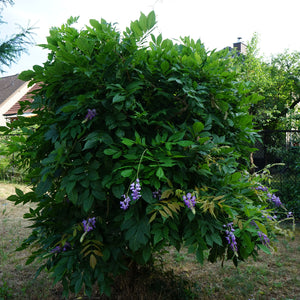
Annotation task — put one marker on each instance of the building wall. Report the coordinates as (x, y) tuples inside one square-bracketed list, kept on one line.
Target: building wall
[(11, 100)]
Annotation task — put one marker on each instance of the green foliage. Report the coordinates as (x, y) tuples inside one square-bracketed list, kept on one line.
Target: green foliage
[(277, 82), (115, 108), (9, 167)]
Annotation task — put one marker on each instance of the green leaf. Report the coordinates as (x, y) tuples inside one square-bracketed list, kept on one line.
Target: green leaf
[(110, 151), (87, 203), (146, 253), (138, 234), (264, 248), (126, 173), (96, 24), (151, 20), (217, 239), (198, 127), (143, 22), (236, 176), (78, 285), (26, 75), (158, 236), (118, 98), (159, 39), (261, 227), (200, 255), (160, 173), (136, 29), (118, 190), (164, 66), (147, 195), (127, 142), (185, 143)]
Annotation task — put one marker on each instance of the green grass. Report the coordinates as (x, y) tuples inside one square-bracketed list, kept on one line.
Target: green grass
[(274, 276)]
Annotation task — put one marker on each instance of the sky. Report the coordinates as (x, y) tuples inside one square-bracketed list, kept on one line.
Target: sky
[(217, 23)]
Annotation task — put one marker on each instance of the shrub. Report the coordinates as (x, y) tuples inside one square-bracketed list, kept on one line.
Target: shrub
[(139, 143)]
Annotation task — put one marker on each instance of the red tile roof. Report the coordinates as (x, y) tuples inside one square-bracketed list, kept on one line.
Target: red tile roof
[(27, 97), (8, 85)]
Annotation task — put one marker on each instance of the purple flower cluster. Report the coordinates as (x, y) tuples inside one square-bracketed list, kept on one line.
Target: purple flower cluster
[(58, 249), (230, 237), (89, 224), (91, 114), (125, 203), (272, 218), (157, 194), (289, 214), (263, 238), (261, 188), (273, 198), (135, 188), (189, 200)]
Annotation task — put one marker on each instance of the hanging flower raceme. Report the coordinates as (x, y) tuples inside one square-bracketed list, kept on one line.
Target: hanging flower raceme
[(230, 237), (273, 198), (262, 188), (90, 114), (125, 203), (135, 188), (189, 200), (263, 238), (58, 249), (89, 224)]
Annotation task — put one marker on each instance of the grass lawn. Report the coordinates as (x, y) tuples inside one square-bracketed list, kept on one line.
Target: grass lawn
[(274, 276)]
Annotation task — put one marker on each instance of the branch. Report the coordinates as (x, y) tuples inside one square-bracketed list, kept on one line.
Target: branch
[(11, 49)]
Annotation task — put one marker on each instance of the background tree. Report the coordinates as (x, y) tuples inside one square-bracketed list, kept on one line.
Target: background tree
[(12, 47), (276, 81)]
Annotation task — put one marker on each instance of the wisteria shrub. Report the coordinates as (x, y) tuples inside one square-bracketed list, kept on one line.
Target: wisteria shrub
[(138, 143)]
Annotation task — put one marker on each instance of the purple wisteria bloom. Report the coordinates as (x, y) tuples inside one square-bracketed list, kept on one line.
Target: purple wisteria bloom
[(135, 188), (272, 218), (261, 188), (58, 249), (230, 237), (90, 114), (66, 247), (157, 194), (125, 203), (289, 214), (189, 200), (89, 224), (273, 198), (263, 238)]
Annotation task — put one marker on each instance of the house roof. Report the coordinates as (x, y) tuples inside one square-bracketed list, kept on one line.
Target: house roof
[(27, 97), (8, 85)]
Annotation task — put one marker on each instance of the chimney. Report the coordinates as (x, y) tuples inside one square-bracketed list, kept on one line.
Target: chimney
[(240, 46)]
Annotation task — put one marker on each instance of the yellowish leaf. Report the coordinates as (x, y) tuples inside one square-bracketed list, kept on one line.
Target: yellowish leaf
[(163, 214), (98, 253), (93, 261), (166, 209), (166, 194), (153, 217), (240, 224)]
